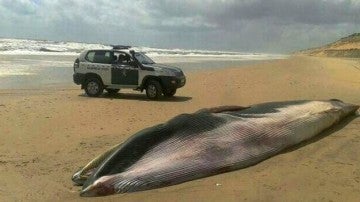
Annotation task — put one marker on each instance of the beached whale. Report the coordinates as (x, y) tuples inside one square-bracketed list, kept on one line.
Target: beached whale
[(205, 143)]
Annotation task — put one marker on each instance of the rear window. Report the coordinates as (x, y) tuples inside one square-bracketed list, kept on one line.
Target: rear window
[(105, 57)]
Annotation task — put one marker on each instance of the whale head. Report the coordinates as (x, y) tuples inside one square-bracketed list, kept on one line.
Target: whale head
[(101, 187)]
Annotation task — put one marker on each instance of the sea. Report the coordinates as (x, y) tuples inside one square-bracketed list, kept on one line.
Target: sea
[(28, 64)]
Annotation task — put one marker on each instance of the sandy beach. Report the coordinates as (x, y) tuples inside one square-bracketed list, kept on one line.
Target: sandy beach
[(46, 134)]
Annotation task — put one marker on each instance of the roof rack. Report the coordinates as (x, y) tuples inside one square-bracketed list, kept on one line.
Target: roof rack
[(119, 47)]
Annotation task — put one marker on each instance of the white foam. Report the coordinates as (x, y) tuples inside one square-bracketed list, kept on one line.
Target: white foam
[(27, 52), (7, 74), (36, 47)]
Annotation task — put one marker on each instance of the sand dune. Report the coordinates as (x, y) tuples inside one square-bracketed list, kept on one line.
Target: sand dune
[(46, 134), (346, 47)]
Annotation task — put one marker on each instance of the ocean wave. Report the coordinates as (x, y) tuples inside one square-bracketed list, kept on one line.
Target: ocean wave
[(43, 47)]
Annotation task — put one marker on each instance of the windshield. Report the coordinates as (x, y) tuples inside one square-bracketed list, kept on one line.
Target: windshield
[(143, 59)]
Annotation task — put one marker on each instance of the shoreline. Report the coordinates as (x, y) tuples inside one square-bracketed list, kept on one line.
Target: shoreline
[(47, 134), (31, 72)]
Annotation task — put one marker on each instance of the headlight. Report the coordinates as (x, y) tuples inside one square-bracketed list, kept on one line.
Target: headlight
[(167, 72)]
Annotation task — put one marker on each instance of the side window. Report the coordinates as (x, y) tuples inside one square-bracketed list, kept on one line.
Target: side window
[(109, 57), (123, 58), (90, 56), (104, 57)]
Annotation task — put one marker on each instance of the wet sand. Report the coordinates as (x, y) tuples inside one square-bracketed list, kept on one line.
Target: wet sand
[(47, 134)]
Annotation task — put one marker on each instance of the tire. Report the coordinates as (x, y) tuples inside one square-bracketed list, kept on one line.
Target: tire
[(170, 93), (153, 90), (93, 87), (112, 91)]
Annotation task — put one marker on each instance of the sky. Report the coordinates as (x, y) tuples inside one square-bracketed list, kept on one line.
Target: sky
[(276, 26)]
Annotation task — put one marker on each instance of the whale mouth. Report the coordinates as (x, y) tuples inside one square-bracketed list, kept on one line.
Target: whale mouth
[(88, 192), (97, 189), (77, 179), (80, 177)]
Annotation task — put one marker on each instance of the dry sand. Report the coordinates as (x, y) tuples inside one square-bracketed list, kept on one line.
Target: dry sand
[(46, 134)]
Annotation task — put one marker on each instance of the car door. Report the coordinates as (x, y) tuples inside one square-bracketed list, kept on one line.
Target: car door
[(124, 71), (99, 62)]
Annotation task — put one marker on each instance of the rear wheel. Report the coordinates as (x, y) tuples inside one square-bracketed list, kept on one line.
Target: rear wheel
[(170, 93), (93, 87), (153, 90), (112, 91)]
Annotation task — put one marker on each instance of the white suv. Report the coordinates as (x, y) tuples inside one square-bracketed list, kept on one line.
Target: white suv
[(96, 70)]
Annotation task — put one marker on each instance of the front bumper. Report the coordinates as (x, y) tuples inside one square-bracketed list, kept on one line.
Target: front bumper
[(78, 78), (172, 82)]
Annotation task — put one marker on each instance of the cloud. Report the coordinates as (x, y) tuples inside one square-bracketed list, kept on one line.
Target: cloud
[(228, 13), (259, 25), (22, 7)]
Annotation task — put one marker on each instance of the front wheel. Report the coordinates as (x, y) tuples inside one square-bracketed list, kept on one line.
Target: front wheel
[(170, 93), (153, 90), (93, 87)]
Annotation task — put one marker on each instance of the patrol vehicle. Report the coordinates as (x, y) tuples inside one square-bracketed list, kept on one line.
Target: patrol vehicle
[(122, 67)]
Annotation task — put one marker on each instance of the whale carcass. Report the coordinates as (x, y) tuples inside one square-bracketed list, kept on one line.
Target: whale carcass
[(205, 143)]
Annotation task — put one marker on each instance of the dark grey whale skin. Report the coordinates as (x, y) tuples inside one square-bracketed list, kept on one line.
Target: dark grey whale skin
[(141, 142), (209, 142)]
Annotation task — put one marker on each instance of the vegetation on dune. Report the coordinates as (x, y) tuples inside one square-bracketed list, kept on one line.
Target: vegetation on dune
[(345, 47), (352, 38)]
